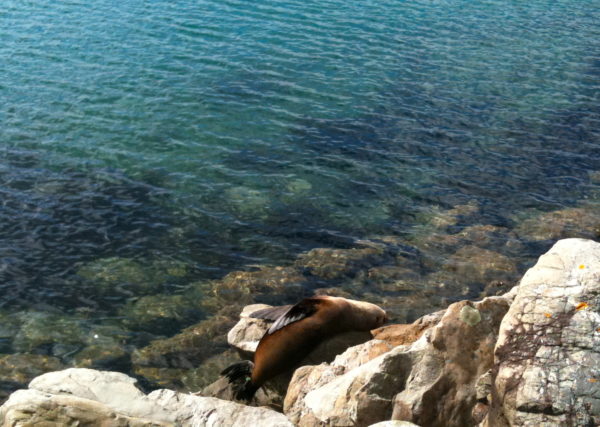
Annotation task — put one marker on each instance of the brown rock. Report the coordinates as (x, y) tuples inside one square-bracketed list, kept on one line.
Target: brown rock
[(479, 265), (396, 335), (561, 224), (358, 387), (269, 284), (189, 348), (460, 350), (16, 370), (339, 263)]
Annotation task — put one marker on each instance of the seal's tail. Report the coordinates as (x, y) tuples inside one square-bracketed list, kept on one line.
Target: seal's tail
[(240, 377)]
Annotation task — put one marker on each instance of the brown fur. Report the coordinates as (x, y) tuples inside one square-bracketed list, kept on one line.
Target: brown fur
[(285, 348)]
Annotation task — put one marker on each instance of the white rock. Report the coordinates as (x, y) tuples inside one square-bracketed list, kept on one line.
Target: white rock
[(212, 412), (246, 334), (95, 398), (548, 352)]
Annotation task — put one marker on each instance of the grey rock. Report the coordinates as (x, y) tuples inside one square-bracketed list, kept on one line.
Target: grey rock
[(548, 351), (246, 334), (95, 398), (210, 411)]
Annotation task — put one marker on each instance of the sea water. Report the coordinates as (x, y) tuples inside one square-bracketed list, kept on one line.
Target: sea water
[(213, 136)]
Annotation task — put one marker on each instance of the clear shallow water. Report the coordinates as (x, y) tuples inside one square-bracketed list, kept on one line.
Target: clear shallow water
[(224, 134)]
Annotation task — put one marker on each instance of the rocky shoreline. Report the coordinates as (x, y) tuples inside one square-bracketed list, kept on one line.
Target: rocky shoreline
[(528, 357)]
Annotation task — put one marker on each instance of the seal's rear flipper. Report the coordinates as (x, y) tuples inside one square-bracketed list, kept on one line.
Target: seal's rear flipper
[(239, 376)]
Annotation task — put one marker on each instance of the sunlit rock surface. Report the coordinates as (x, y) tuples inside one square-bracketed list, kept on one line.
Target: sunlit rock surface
[(547, 358), (88, 397)]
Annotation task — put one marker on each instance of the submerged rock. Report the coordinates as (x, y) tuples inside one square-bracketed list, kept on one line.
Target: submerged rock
[(491, 237), (248, 202), (572, 222), (190, 347), (189, 380), (131, 277), (548, 352), (102, 356), (332, 264), (51, 333), (16, 370), (161, 314), (476, 265), (442, 219), (267, 284)]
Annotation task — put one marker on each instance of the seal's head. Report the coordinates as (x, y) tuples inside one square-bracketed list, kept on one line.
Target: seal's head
[(366, 316)]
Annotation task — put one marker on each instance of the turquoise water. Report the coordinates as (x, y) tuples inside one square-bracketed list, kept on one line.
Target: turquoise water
[(222, 134)]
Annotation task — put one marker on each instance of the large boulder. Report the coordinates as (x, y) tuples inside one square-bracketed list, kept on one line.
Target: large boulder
[(459, 351), (95, 398), (548, 351)]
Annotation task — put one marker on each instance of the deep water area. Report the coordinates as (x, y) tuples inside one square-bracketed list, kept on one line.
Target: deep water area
[(164, 163)]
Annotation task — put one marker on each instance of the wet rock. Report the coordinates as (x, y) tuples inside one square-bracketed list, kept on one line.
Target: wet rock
[(16, 370), (548, 350), (161, 314), (131, 277), (561, 224), (402, 371), (189, 348), (103, 357), (49, 333), (267, 284), (248, 202), (442, 219), (88, 397), (189, 380), (491, 237), (476, 265), (331, 264), (393, 279)]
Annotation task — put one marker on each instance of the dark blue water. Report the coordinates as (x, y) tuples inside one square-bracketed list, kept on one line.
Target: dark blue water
[(222, 134)]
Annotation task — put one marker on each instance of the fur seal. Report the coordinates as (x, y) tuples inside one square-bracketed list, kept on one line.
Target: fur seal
[(297, 330)]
